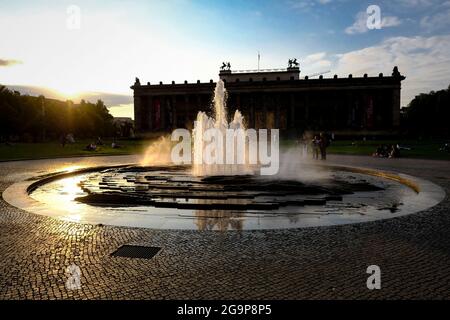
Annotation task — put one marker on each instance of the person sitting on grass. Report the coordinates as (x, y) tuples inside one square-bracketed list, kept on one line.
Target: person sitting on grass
[(378, 151), (445, 147), (382, 151), (394, 152), (115, 145), (91, 147)]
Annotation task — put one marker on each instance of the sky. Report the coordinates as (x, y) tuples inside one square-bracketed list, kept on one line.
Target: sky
[(46, 48)]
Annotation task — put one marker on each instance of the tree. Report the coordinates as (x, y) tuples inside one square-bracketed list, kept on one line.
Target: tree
[(34, 118), (428, 114)]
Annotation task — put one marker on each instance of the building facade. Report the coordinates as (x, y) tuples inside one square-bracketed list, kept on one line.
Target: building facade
[(276, 99)]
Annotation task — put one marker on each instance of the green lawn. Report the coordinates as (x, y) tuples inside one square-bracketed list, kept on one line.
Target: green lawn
[(18, 151), (425, 149)]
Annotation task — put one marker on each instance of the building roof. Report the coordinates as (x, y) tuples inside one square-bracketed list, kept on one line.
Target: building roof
[(272, 80)]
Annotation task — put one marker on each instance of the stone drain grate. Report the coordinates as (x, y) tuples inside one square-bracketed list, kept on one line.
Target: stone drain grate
[(141, 252)]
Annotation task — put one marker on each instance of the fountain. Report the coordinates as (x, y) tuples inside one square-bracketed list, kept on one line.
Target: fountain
[(223, 196), (220, 122)]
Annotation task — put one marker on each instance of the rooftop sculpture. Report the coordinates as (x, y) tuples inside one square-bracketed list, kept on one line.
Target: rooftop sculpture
[(292, 63), (226, 66)]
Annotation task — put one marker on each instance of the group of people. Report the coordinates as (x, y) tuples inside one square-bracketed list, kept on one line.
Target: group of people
[(387, 151), (318, 144), (445, 147), (94, 145), (91, 147), (66, 138)]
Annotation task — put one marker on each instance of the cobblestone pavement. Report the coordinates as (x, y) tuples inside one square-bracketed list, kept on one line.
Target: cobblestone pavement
[(413, 252)]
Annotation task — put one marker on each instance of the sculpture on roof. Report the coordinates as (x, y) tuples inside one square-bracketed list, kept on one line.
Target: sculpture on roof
[(226, 66), (395, 72), (293, 63)]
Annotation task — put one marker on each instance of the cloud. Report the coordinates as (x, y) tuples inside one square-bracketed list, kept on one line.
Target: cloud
[(306, 4), (315, 63), (8, 63), (35, 91), (415, 3), (423, 60), (360, 24), (315, 57), (436, 22), (110, 99), (390, 21)]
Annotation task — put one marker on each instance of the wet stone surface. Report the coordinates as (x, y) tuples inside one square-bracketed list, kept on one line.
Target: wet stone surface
[(176, 188), (413, 253), (172, 198)]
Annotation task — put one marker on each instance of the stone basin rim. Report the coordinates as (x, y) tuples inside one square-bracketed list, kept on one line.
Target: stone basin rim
[(36, 182), (24, 188)]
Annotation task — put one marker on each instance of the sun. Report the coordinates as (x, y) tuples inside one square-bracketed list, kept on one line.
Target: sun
[(69, 92)]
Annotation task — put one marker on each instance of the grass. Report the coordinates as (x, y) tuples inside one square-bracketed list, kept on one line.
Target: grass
[(425, 149), (420, 149), (19, 151)]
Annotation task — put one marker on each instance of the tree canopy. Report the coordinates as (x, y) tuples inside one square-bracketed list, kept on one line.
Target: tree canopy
[(32, 118), (429, 113)]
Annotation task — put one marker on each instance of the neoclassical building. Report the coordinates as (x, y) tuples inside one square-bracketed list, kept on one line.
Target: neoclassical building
[(276, 98)]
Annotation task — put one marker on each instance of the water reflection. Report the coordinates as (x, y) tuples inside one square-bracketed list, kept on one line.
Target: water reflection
[(218, 220), (62, 195), (71, 168), (172, 201)]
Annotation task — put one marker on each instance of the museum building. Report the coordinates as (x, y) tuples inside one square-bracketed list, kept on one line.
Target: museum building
[(276, 98)]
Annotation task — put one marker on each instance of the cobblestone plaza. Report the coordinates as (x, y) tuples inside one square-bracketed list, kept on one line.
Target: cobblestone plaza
[(309, 263)]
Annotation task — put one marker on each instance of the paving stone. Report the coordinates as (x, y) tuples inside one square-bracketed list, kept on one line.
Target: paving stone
[(413, 252)]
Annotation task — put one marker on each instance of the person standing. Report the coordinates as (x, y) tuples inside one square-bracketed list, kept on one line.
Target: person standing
[(316, 147), (303, 145), (323, 144)]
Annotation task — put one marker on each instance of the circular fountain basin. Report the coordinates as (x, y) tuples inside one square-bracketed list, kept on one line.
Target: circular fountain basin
[(171, 198)]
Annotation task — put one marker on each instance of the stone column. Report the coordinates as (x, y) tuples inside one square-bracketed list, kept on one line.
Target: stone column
[(162, 112), (150, 112), (186, 110), (264, 113), (252, 121), (199, 102), (277, 113), (137, 113), (174, 111), (396, 107), (292, 121), (238, 101)]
